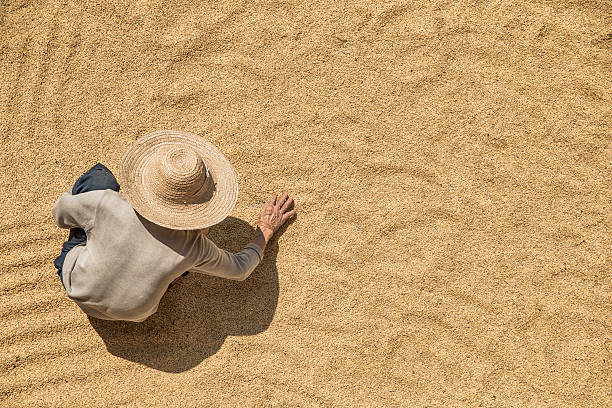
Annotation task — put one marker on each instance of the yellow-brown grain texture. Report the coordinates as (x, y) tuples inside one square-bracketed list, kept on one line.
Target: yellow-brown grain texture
[(450, 161)]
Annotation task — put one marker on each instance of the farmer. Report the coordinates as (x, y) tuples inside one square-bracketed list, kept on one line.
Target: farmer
[(123, 251)]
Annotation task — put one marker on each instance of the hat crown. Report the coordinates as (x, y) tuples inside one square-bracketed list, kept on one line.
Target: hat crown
[(181, 175), (178, 180)]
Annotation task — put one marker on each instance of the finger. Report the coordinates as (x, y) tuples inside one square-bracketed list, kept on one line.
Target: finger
[(281, 200), (288, 215), (287, 205), (272, 200)]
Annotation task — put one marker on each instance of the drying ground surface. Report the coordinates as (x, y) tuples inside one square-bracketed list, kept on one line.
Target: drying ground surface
[(450, 161)]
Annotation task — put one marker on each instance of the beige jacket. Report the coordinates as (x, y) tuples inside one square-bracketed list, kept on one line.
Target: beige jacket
[(125, 267)]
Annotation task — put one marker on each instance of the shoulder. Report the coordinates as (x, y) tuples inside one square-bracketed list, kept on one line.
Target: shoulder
[(109, 195), (93, 200), (110, 199)]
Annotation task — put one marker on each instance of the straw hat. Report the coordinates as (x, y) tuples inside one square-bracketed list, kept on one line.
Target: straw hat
[(178, 180)]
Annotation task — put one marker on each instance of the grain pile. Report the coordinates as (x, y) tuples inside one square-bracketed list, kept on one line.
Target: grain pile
[(451, 162)]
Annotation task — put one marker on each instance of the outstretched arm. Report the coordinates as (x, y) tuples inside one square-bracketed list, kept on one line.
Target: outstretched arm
[(218, 262)]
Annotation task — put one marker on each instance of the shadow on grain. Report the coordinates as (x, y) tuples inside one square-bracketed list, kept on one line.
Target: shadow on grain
[(198, 312)]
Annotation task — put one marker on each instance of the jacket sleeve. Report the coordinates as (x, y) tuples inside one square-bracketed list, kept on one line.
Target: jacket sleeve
[(218, 262), (74, 211)]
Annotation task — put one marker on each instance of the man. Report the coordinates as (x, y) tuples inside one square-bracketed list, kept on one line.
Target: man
[(123, 251)]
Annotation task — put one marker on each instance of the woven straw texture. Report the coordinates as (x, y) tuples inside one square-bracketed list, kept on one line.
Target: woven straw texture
[(172, 196)]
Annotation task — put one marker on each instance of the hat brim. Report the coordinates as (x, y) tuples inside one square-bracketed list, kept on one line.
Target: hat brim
[(217, 203)]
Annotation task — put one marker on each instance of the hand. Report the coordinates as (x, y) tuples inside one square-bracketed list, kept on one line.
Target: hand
[(274, 214)]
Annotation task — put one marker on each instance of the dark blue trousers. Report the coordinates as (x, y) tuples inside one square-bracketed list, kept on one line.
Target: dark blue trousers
[(96, 178)]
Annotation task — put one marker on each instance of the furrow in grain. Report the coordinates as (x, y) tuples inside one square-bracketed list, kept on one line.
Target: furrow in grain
[(12, 306), (48, 322), (75, 367)]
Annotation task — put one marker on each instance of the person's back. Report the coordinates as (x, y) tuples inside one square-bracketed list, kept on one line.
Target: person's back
[(128, 262), (117, 264)]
